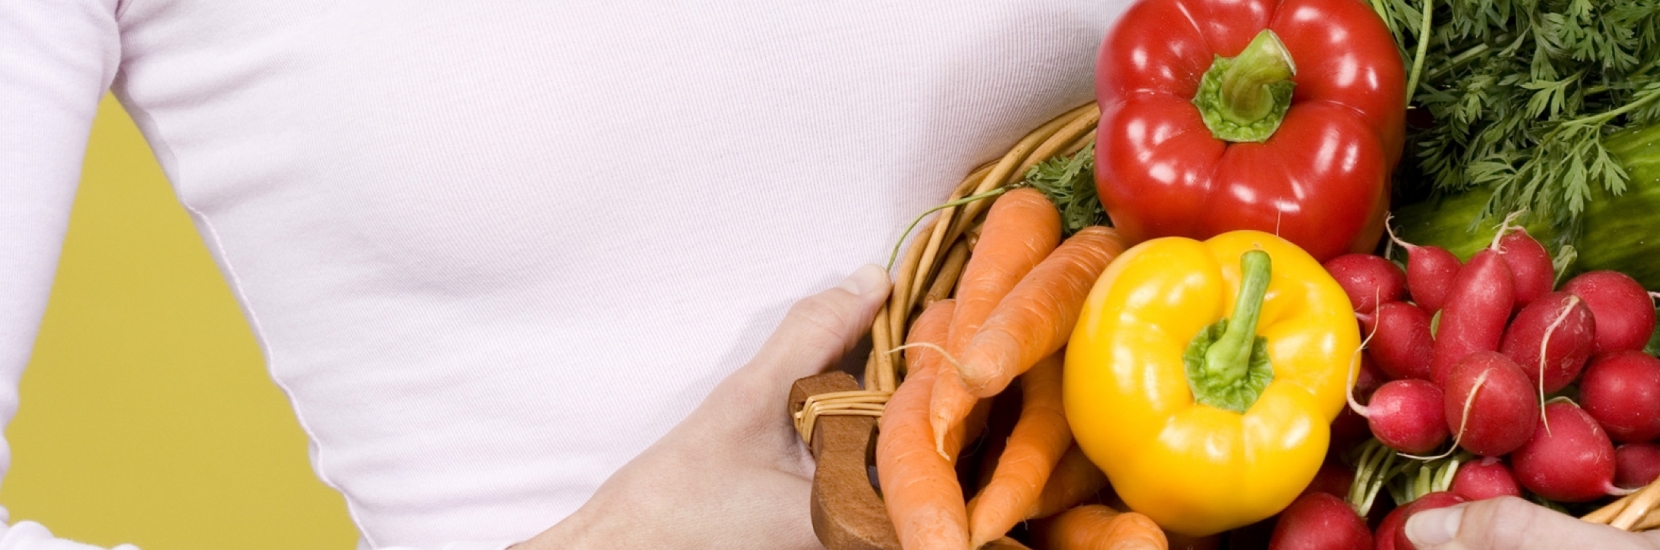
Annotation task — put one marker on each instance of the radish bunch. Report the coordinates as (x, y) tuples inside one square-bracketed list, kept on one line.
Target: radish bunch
[(1471, 354), (1460, 388)]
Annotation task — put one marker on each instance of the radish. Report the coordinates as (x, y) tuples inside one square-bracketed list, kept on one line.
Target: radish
[(1429, 272), (1636, 465), (1392, 532), (1551, 339), (1624, 311), (1475, 313), (1401, 344), (1407, 416), (1368, 280), (1490, 406), (1621, 390), (1319, 521), (1568, 459), (1528, 262), (1484, 479)]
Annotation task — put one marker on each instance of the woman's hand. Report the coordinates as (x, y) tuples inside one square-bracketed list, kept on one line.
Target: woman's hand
[(733, 474), (1513, 523)]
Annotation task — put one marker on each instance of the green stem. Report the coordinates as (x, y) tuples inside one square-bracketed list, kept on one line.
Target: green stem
[(1459, 60), (959, 202), (1227, 363), (1245, 94), (1601, 118), (1244, 98), (1229, 358), (1424, 35)]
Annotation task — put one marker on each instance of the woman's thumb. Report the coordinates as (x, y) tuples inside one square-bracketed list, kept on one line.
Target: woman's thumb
[(1510, 522), (819, 329)]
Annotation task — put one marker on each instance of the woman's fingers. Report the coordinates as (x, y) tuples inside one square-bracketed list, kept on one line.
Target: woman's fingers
[(1510, 522)]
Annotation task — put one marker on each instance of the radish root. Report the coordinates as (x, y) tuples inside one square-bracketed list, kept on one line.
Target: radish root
[(1354, 369), (1389, 227), (1463, 420), (1505, 227), (1544, 345)]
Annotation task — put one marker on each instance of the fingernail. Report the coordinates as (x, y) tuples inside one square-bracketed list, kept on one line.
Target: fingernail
[(1434, 527), (866, 280)]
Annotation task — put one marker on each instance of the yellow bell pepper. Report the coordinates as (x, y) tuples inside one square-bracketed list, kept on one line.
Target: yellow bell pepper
[(1203, 377)]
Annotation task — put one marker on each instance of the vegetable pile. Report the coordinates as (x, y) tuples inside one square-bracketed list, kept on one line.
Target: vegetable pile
[(1180, 378)]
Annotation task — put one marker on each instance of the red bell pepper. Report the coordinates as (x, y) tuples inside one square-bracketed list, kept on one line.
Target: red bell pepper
[(1279, 116)]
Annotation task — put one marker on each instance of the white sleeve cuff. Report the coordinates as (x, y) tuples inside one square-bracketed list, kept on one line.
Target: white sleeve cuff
[(28, 535)]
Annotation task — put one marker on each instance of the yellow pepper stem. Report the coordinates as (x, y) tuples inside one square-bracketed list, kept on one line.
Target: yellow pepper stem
[(1227, 363)]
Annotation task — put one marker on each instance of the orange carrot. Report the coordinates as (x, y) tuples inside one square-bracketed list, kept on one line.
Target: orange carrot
[(1037, 316), (920, 488), (1021, 229), (1073, 480), (1098, 527), (1039, 438)]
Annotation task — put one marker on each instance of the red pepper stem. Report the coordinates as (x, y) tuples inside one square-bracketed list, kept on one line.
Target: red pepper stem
[(1228, 359), (1246, 97)]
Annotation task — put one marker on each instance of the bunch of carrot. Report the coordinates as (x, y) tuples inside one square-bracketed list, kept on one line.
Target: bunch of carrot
[(1016, 303)]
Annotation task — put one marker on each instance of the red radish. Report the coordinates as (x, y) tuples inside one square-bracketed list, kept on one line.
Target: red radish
[(1624, 311), (1529, 263), (1551, 339), (1368, 280), (1401, 343), (1636, 465), (1568, 459), (1483, 479), (1475, 313), (1391, 533), (1319, 521), (1407, 415), (1621, 390), (1490, 406), (1430, 271)]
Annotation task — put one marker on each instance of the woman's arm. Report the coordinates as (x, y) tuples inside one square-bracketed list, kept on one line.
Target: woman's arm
[(56, 59)]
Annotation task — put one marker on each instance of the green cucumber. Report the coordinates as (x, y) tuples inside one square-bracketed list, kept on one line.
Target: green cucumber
[(1619, 233)]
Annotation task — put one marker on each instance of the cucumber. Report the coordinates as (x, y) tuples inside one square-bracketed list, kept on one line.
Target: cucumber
[(1619, 233)]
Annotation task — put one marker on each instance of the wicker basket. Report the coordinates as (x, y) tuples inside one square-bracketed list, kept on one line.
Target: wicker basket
[(838, 419)]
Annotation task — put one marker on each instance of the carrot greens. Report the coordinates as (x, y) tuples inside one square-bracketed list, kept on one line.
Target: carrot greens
[(1520, 95)]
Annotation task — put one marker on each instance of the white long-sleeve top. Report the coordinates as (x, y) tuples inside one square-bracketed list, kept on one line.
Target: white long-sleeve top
[(493, 249)]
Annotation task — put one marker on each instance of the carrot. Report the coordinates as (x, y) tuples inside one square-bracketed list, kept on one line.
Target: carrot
[(1097, 526), (1021, 229), (1039, 438), (920, 488), (1074, 479), (1037, 316)]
